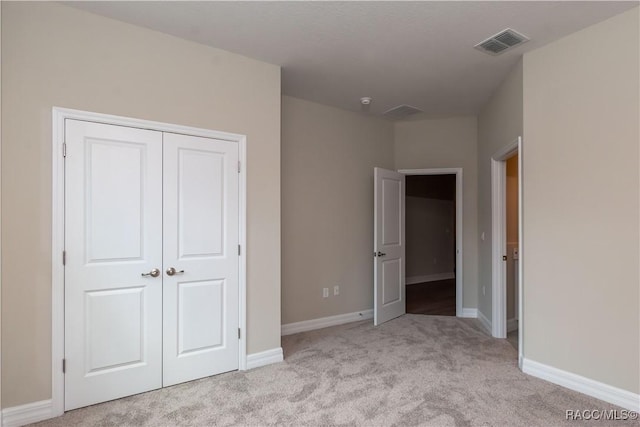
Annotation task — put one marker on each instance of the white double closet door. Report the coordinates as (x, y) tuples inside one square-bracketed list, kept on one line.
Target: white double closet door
[(151, 273)]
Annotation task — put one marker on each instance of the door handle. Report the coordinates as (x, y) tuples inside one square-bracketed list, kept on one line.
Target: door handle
[(153, 273), (379, 254), (171, 271)]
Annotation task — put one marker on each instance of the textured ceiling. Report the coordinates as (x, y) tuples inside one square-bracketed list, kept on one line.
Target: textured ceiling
[(416, 53)]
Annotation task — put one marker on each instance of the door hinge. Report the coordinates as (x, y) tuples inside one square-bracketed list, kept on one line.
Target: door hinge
[(64, 149), (238, 333), (64, 366), (238, 167), (239, 250), (64, 257)]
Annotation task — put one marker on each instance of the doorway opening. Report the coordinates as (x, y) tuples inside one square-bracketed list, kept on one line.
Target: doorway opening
[(430, 226), (432, 285), (511, 197), (507, 256)]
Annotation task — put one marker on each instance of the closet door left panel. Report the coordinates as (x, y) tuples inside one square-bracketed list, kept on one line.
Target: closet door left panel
[(113, 244)]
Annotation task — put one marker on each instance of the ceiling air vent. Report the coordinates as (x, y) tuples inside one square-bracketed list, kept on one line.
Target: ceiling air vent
[(401, 111), (497, 44)]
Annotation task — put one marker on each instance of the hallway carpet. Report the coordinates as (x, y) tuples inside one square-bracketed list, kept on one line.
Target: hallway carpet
[(414, 370)]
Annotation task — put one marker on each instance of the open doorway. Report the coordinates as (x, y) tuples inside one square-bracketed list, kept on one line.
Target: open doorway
[(389, 251), (430, 224), (507, 250), (435, 279), (512, 249)]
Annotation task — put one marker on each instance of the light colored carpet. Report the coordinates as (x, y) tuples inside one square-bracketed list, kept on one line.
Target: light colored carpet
[(414, 370)]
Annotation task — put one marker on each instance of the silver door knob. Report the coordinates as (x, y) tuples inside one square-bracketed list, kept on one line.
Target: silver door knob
[(171, 271), (153, 273)]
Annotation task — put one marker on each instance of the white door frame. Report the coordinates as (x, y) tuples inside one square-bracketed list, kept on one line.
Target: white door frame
[(1, 423), (59, 115), (498, 242), (459, 253)]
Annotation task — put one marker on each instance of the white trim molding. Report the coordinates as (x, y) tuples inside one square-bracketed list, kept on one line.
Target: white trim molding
[(593, 388), (17, 416), (459, 223), (429, 278), (486, 323), (520, 293), (242, 258), (59, 115), (0, 217), (469, 312), (325, 322), (264, 358)]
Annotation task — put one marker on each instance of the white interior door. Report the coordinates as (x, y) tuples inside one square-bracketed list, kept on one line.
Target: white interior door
[(113, 240), (201, 246), (389, 245)]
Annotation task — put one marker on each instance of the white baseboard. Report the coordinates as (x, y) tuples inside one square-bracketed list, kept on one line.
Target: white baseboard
[(26, 414), (325, 322), (602, 391), (486, 324), (512, 325), (264, 358), (469, 312), (429, 278)]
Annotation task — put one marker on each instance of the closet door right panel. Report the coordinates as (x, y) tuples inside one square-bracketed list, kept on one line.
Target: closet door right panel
[(200, 257)]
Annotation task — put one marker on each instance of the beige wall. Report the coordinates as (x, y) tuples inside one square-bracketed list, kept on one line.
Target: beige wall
[(499, 124), (447, 143), (54, 55), (581, 258), (430, 236), (328, 156)]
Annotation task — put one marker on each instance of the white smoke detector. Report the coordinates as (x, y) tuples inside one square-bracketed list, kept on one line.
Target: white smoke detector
[(365, 100)]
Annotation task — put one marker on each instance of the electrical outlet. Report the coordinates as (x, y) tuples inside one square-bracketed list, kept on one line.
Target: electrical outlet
[(435, 261), (325, 292), (336, 290), (483, 291)]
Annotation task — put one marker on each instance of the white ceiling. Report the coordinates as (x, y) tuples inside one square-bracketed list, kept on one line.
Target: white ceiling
[(334, 53)]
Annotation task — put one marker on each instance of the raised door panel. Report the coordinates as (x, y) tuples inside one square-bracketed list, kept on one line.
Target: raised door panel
[(201, 303), (201, 215), (392, 282), (391, 225), (114, 342), (114, 209)]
